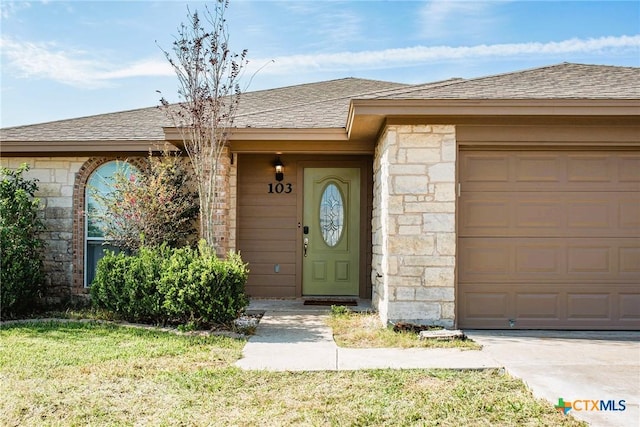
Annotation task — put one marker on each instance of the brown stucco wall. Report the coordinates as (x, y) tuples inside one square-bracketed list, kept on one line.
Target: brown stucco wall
[(269, 230)]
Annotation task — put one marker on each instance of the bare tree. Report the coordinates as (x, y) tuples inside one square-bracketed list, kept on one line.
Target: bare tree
[(208, 87)]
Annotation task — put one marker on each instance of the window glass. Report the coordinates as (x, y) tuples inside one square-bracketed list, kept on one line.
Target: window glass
[(331, 214), (100, 182)]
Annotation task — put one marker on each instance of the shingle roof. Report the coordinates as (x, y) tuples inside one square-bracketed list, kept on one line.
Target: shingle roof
[(144, 124), (326, 104), (321, 105), (562, 81), (314, 105)]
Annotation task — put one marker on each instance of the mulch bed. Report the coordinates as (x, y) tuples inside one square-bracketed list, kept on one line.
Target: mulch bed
[(416, 329)]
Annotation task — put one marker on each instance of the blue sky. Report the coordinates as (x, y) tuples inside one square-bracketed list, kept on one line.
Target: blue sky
[(64, 59)]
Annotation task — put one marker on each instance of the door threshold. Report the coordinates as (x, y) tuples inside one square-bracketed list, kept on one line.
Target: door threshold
[(327, 301)]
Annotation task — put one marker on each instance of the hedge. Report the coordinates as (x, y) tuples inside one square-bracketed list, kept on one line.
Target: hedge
[(168, 285), (21, 272)]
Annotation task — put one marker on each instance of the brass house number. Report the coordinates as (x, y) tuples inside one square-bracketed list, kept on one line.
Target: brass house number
[(280, 188)]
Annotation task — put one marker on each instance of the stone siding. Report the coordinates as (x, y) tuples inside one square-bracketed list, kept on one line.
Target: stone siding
[(56, 177), (62, 182), (414, 233)]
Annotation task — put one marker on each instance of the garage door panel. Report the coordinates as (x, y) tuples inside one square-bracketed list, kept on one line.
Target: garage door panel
[(486, 305), (629, 215), (589, 305), (525, 259), (563, 214), (536, 167), (539, 260), (594, 212), (480, 167), (486, 213), (629, 257), (537, 214), (629, 169), (538, 305), (590, 168), (509, 305), (629, 306), (549, 305), (549, 171), (590, 259), (485, 260)]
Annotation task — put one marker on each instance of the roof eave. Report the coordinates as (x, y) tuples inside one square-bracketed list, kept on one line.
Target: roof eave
[(286, 140), (74, 147), (173, 134), (366, 117)]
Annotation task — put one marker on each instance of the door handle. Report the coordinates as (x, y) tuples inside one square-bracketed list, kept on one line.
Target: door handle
[(306, 245)]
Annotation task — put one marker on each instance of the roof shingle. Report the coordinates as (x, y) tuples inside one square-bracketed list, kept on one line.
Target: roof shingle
[(562, 81), (321, 105), (326, 104)]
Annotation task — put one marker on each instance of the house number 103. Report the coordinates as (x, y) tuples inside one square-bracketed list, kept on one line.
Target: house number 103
[(280, 188)]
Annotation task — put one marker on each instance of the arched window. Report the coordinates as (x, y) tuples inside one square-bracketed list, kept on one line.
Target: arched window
[(100, 182)]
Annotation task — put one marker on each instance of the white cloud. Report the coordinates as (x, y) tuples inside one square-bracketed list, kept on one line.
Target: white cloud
[(392, 58), (444, 18), (322, 25), (80, 69), (10, 8), (338, 28), (440, 11), (46, 60), (71, 67), (145, 68)]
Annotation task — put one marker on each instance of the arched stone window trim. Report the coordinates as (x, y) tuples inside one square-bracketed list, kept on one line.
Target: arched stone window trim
[(79, 200)]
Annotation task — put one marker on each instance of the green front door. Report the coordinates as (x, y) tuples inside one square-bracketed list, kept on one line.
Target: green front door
[(331, 232)]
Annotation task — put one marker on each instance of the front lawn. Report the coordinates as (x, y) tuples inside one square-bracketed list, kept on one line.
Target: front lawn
[(102, 374)]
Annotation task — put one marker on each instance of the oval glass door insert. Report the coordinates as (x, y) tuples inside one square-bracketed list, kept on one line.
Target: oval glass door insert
[(331, 215)]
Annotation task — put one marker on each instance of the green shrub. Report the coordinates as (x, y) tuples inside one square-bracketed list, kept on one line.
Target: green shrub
[(199, 288), (127, 285), (178, 285), (340, 310), (21, 274)]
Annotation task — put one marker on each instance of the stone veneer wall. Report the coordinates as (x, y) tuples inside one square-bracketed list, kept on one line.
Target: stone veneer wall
[(414, 234), (62, 181), (56, 177)]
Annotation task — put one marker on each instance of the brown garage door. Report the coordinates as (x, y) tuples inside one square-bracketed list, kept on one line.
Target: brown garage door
[(549, 239)]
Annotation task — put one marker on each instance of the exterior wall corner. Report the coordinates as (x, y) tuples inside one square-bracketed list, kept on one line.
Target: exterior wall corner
[(414, 225)]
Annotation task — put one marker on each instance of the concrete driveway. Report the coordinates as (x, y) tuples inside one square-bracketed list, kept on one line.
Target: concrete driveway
[(575, 366)]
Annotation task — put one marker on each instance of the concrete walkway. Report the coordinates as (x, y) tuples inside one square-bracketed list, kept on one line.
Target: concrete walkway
[(301, 341), (554, 364)]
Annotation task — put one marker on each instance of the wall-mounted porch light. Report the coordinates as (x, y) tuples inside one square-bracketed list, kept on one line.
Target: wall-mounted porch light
[(279, 169)]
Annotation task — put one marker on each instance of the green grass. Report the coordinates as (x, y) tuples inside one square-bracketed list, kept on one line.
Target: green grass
[(364, 330), (100, 374)]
